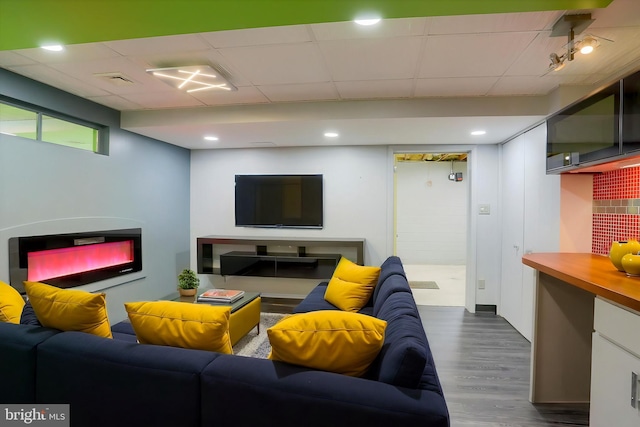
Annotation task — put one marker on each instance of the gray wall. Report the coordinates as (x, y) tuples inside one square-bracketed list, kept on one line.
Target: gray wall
[(47, 189)]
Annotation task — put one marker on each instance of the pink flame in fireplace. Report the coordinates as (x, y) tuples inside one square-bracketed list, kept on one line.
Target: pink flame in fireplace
[(43, 265)]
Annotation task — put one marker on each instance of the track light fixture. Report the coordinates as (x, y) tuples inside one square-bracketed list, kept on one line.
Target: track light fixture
[(570, 25)]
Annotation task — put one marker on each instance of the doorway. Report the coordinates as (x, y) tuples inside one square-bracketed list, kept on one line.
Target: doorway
[(431, 194)]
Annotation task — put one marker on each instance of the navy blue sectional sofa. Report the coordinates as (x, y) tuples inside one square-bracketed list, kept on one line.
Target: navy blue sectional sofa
[(112, 382)]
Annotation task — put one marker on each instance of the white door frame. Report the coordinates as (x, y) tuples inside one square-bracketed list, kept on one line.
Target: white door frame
[(470, 290)]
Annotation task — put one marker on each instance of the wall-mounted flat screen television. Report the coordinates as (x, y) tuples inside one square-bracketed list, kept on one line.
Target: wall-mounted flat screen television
[(279, 201)]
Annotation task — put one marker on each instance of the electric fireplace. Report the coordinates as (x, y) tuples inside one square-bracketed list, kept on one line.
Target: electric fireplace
[(74, 259)]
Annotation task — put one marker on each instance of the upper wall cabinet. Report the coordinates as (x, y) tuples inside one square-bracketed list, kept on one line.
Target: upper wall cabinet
[(603, 127)]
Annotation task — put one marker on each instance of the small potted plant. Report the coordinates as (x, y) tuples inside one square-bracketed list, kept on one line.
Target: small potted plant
[(188, 282)]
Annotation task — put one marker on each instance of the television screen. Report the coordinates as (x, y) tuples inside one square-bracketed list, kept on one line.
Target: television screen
[(293, 201)]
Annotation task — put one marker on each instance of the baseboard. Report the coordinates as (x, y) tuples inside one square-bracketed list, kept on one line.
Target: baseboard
[(486, 308)]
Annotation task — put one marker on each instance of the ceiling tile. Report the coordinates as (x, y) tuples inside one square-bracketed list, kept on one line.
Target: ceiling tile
[(85, 72), (9, 59), (258, 36), (244, 95), (474, 55), (55, 78), (620, 13), (71, 54), (280, 64), (154, 45), (372, 59), (494, 23), (467, 86), (524, 86), (386, 28), (300, 92), (158, 99), (534, 59), (115, 102), (375, 89)]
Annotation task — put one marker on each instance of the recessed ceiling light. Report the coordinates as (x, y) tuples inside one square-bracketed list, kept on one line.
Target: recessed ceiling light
[(53, 47), (367, 21), (331, 134), (211, 138), (478, 132)]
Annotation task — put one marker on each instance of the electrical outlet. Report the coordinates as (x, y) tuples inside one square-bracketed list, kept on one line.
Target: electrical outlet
[(481, 284)]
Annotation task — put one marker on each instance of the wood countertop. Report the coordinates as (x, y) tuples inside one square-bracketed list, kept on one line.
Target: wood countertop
[(593, 273)]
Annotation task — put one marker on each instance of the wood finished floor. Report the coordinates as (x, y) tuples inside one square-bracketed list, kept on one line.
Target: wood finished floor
[(483, 365)]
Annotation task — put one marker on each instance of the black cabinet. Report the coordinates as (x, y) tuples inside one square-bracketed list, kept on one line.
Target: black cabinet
[(275, 257), (239, 263), (601, 128)]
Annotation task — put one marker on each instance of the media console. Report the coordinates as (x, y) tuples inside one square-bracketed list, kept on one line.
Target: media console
[(303, 259)]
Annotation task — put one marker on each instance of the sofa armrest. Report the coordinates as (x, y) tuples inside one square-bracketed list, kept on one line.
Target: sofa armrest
[(249, 391), (18, 356)]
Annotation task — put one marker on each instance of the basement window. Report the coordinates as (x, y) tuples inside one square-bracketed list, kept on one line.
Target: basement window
[(29, 121)]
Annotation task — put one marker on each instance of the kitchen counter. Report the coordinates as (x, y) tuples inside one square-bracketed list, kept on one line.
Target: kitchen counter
[(564, 343), (592, 273)]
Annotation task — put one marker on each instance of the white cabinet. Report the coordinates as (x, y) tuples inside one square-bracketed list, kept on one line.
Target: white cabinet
[(615, 367), (530, 222)]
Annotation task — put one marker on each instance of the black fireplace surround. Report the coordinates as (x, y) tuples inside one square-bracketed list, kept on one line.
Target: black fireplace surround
[(74, 259)]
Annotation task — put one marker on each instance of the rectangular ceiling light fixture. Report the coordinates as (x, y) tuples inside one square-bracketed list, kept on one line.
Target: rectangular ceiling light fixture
[(193, 78)]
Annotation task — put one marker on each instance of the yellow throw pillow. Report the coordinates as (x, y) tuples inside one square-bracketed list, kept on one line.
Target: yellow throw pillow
[(11, 303), (329, 340), (178, 324), (351, 285), (69, 309)]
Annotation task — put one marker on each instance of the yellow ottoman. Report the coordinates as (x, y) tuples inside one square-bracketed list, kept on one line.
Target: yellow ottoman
[(244, 318)]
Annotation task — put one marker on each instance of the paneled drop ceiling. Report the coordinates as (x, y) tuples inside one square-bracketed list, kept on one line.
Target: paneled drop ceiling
[(406, 81)]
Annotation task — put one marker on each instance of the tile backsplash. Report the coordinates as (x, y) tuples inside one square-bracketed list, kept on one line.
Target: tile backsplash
[(616, 208)]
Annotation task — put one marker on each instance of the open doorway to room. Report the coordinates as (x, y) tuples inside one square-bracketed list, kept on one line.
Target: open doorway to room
[(431, 195)]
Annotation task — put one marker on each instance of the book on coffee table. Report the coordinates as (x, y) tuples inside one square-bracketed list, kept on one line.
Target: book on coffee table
[(220, 295)]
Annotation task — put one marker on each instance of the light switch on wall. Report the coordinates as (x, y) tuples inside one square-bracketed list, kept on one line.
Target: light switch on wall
[(484, 209)]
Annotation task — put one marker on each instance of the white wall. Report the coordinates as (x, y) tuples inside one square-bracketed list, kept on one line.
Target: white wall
[(484, 241), (355, 191), (50, 189), (358, 200), (431, 213)]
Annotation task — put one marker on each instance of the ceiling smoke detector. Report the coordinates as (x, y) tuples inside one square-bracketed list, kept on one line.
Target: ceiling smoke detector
[(115, 78)]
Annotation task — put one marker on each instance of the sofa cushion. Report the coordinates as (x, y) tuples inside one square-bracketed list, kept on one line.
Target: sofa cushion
[(28, 316), (69, 309), (315, 301), (394, 283), (403, 356), (391, 266), (294, 396), (11, 303), (351, 285), (124, 327), (330, 340), (178, 324)]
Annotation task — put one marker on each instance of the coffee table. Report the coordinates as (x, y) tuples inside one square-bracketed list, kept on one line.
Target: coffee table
[(245, 314)]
